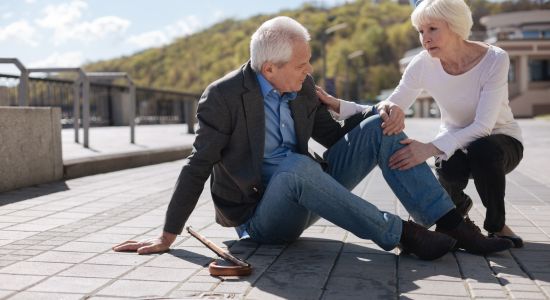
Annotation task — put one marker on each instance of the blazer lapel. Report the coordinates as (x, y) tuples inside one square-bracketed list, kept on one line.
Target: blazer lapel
[(303, 121), (254, 116)]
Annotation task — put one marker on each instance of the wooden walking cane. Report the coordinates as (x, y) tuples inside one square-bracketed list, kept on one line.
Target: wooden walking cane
[(239, 267)]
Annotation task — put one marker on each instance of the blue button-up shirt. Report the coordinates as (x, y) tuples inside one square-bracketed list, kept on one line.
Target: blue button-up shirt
[(280, 136)]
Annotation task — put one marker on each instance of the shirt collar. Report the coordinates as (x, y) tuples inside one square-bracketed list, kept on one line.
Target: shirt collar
[(266, 88)]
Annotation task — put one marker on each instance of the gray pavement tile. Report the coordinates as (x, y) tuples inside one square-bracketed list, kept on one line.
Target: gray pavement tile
[(229, 287), (58, 284), (29, 252), (371, 283), (529, 295), (5, 242), (53, 242), (5, 293), (120, 259), (266, 291), (160, 274), (421, 296), (5, 224), (14, 257), (18, 282), (124, 230), (14, 246), (490, 293), (204, 278), (137, 288), (41, 247), (63, 257), (34, 268), (105, 238), (8, 234), (170, 261), (46, 296), (430, 287), (85, 247), (96, 271), (196, 286)]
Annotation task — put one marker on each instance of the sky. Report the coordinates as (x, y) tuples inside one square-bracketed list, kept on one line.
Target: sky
[(68, 33)]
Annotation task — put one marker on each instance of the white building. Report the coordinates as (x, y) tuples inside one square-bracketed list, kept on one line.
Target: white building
[(525, 35)]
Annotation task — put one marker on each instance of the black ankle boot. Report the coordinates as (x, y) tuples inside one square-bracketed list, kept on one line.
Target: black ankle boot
[(425, 244), (469, 238)]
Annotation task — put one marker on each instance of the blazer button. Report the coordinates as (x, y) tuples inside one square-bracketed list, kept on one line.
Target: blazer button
[(255, 189)]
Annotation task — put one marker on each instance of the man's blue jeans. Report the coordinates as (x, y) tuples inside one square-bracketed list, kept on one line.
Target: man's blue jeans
[(300, 192)]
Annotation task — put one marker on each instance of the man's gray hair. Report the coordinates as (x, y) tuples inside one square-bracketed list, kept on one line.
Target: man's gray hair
[(273, 41), (455, 12)]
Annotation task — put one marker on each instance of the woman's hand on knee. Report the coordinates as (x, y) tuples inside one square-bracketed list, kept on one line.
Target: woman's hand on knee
[(413, 154), (393, 117)]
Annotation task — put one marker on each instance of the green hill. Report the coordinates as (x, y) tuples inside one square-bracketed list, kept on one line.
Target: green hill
[(382, 31)]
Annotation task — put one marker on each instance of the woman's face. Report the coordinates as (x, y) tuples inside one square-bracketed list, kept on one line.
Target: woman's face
[(436, 37)]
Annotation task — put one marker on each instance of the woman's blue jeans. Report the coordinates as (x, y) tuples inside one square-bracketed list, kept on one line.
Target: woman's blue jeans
[(300, 192)]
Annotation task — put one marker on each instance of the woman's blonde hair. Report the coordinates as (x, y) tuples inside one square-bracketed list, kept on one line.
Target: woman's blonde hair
[(456, 13)]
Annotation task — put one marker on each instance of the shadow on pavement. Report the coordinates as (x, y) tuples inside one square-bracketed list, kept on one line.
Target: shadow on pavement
[(313, 268), (32, 192)]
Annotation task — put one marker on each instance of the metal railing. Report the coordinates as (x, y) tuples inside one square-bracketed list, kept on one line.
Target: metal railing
[(99, 97)]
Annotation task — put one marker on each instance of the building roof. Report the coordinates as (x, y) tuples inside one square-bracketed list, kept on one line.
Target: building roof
[(516, 18)]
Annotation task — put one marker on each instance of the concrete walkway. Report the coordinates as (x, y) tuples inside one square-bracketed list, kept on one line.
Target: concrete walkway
[(55, 242)]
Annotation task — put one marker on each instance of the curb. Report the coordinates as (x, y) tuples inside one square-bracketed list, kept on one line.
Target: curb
[(81, 167)]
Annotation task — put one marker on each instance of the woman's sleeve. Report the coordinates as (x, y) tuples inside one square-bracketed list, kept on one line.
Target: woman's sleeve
[(348, 109), (493, 94), (410, 84)]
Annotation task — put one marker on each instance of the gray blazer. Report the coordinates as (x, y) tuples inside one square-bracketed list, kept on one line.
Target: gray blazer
[(229, 146)]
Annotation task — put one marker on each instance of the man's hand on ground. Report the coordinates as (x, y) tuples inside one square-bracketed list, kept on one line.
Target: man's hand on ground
[(392, 116), (157, 245)]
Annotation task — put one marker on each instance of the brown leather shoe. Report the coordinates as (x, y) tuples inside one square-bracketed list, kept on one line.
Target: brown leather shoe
[(469, 238), (425, 244)]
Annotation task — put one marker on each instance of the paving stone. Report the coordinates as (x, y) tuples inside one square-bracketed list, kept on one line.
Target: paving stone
[(96, 271), (46, 296), (430, 287), (196, 286), (137, 288), (120, 259), (85, 247), (17, 282), (170, 261), (63, 257), (34, 268), (232, 287), (160, 274), (60, 284)]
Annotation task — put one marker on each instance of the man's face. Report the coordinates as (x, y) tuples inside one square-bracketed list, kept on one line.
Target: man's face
[(290, 76)]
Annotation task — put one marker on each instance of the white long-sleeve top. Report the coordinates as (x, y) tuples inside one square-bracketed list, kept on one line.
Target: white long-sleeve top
[(473, 104)]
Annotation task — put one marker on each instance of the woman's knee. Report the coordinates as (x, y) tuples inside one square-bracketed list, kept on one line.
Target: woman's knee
[(485, 152)]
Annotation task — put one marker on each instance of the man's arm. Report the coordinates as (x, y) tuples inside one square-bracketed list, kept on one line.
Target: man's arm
[(212, 136)]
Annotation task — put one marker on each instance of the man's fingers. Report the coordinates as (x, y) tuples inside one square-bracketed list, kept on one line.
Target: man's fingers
[(127, 246), (154, 248)]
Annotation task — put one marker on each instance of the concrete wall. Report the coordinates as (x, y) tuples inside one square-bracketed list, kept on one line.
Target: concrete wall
[(30, 146)]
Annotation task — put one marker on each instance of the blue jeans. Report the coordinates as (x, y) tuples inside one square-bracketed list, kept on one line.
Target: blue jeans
[(300, 192)]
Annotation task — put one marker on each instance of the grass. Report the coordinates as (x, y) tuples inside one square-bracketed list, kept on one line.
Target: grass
[(543, 117)]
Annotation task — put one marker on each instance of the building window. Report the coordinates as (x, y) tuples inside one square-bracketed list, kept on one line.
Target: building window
[(546, 34), (539, 69), (512, 71), (531, 34)]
